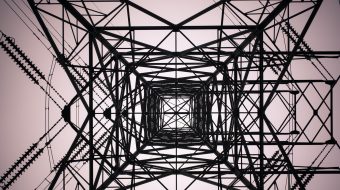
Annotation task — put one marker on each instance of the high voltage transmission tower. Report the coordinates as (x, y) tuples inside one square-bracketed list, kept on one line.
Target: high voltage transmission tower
[(180, 99)]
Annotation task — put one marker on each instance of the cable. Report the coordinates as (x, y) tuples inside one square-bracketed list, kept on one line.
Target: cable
[(17, 14)]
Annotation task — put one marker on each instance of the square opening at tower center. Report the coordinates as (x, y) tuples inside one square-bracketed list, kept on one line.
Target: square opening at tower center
[(176, 112)]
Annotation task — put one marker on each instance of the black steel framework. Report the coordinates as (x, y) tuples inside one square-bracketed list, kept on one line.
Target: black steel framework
[(214, 101)]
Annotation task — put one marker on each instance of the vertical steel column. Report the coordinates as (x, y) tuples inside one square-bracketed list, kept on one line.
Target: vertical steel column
[(331, 113), (91, 111), (117, 116), (235, 112), (176, 109), (261, 113)]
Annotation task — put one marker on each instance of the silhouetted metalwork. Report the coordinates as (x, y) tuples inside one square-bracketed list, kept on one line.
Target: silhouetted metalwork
[(213, 98)]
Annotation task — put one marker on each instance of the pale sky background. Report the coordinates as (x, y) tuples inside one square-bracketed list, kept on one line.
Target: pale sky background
[(22, 102)]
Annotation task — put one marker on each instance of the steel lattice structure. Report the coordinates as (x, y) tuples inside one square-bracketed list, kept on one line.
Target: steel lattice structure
[(213, 97)]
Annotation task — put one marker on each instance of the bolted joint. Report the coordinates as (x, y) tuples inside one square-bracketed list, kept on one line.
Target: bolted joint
[(175, 28), (66, 113), (260, 111), (91, 113), (236, 111), (331, 141), (107, 113), (331, 82), (125, 113)]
